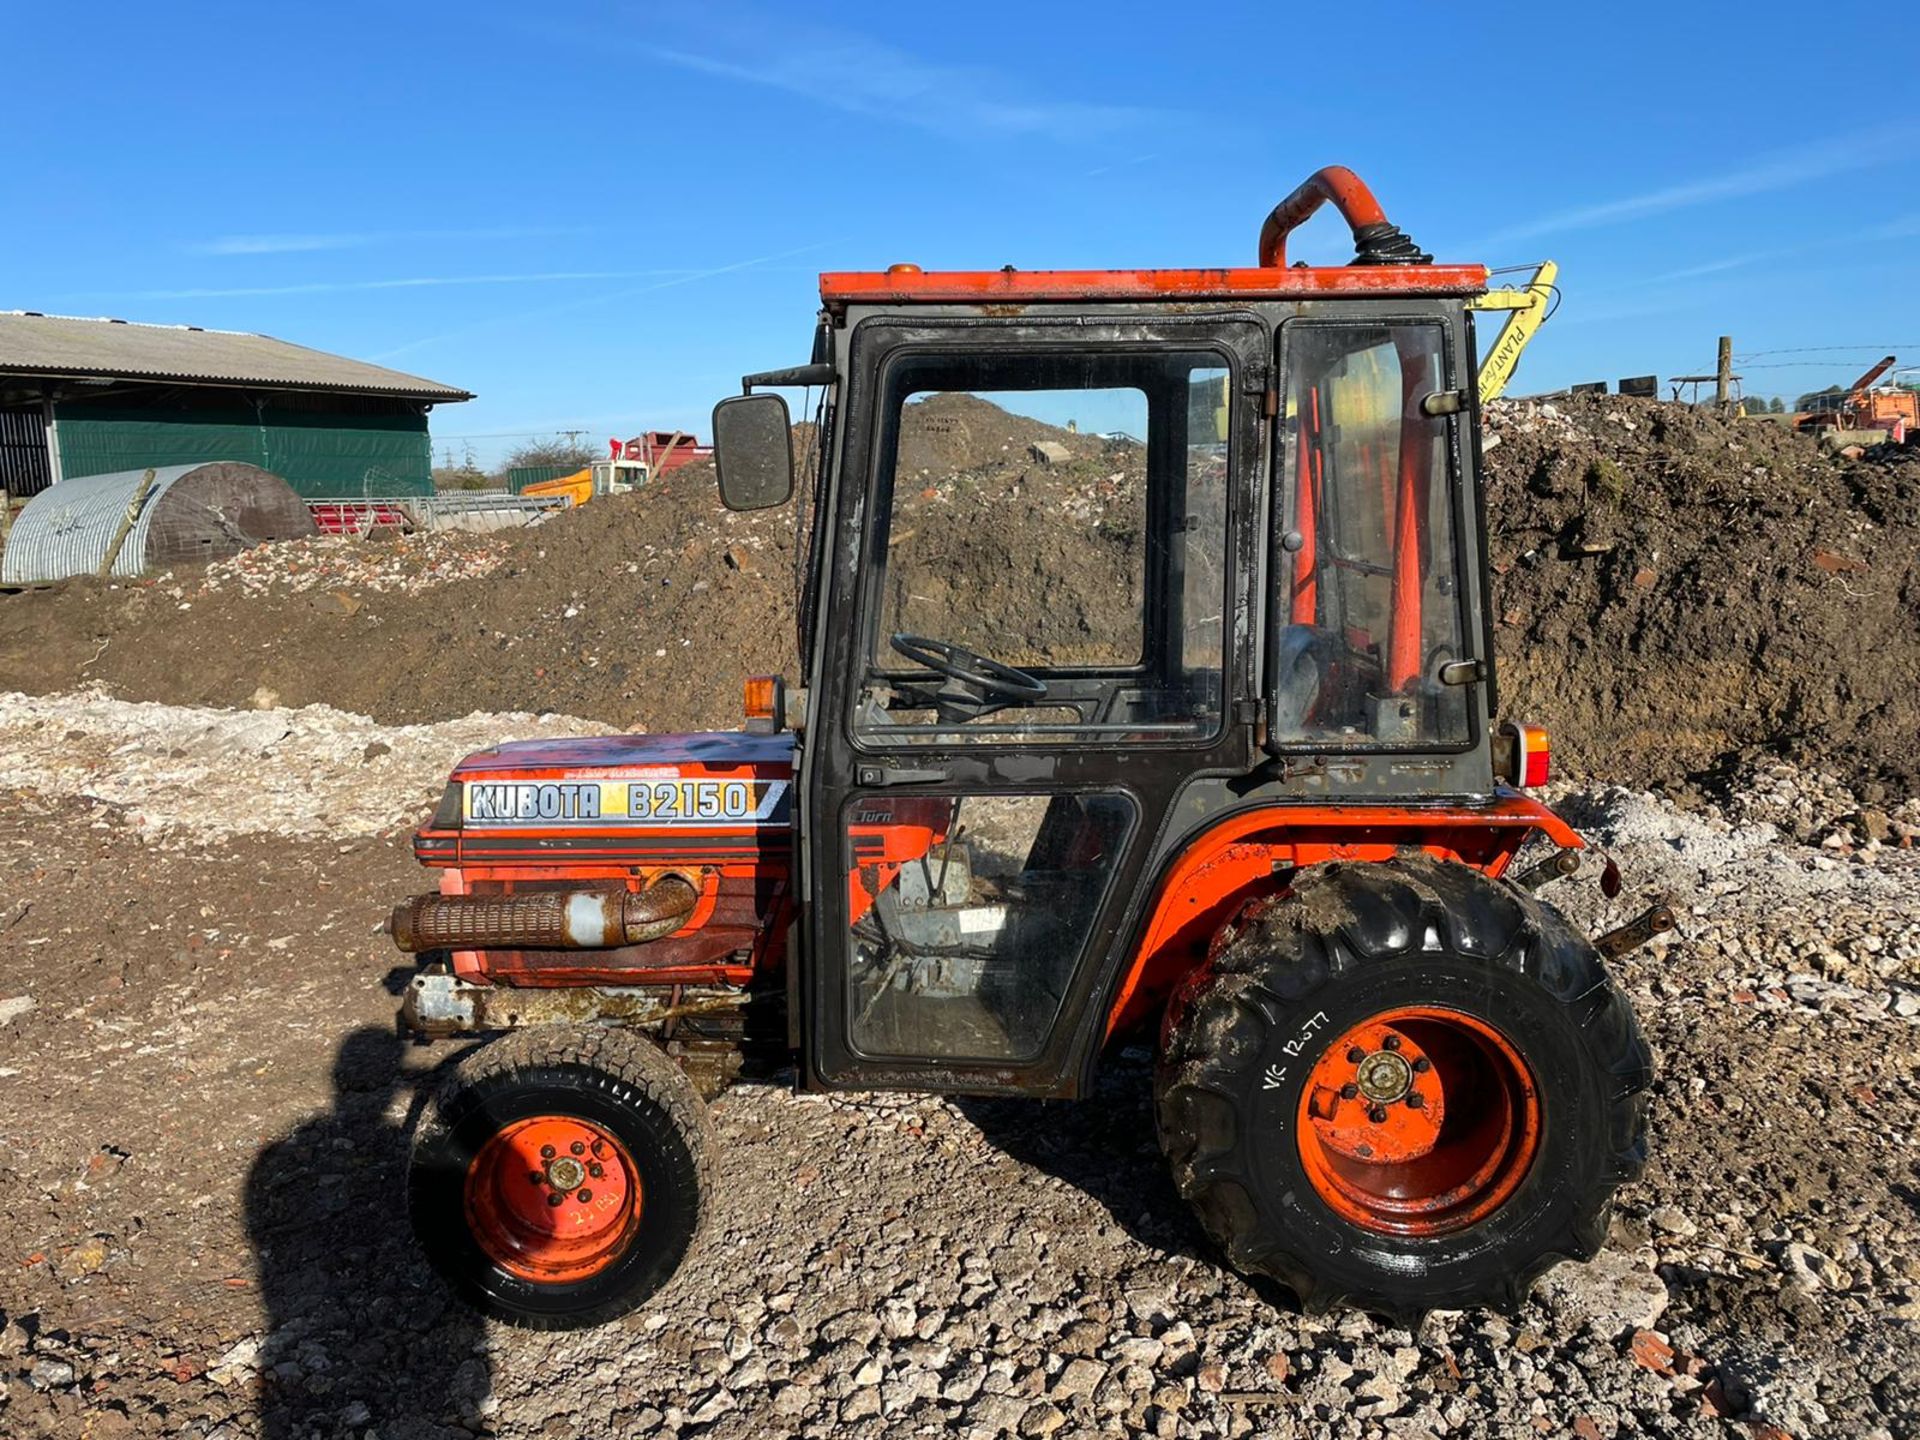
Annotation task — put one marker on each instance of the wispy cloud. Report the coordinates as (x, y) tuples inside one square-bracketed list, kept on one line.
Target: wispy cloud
[(1099, 170), (1782, 170), (359, 240), (335, 287), (1902, 228), (869, 78), (685, 277)]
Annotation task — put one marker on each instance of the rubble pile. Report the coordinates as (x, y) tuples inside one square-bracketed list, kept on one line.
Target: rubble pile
[(183, 774), (407, 564)]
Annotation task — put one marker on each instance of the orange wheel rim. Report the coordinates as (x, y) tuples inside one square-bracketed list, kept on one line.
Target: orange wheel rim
[(553, 1198), (1419, 1122)]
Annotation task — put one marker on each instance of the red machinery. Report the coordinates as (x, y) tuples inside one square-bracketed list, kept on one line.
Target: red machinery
[(1252, 806)]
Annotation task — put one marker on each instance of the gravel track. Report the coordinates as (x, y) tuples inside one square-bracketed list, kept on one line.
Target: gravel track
[(202, 1114)]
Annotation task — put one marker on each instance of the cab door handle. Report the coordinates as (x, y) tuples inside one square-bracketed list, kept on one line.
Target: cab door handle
[(882, 775)]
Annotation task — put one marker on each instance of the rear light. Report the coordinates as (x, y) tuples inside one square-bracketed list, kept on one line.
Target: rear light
[(1535, 755), (1522, 755), (763, 701)]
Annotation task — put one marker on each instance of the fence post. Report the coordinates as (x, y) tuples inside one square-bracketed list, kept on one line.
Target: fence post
[(126, 524)]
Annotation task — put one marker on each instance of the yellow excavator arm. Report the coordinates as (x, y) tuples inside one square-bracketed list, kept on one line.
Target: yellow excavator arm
[(1526, 308)]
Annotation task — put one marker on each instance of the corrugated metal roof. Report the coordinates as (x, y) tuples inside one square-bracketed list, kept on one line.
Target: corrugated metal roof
[(67, 346), (66, 528)]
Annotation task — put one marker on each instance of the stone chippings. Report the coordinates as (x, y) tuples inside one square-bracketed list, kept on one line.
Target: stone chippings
[(908, 1265), (180, 773), (405, 563)]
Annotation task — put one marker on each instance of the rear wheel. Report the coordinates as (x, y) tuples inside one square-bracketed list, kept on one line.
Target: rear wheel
[(1404, 1086), (561, 1176)]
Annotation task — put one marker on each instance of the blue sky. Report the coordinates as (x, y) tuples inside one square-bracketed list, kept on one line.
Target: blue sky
[(598, 215)]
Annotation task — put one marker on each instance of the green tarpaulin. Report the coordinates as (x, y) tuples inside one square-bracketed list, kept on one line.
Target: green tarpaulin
[(323, 456)]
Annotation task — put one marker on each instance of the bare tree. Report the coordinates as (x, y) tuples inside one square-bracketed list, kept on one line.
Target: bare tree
[(568, 450)]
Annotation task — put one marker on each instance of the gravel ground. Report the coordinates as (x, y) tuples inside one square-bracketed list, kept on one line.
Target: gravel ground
[(232, 1261)]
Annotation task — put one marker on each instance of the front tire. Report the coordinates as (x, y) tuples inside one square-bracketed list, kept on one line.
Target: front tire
[(1402, 1086), (561, 1176)]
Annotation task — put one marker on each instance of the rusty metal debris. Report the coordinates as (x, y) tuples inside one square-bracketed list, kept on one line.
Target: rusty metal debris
[(1555, 867), (1655, 920)]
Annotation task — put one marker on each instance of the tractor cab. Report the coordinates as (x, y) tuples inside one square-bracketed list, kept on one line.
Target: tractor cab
[(1145, 694), (1096, 559)]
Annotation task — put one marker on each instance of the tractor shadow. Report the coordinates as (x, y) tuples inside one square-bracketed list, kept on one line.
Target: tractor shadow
[(362, 1337), (1104, 1146)]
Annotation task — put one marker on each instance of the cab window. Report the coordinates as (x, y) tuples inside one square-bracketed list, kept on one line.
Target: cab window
[(1048, 553), (1369, 604)]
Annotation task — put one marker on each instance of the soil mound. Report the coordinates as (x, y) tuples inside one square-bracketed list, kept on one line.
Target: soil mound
[(1678, 595), (638, 610)]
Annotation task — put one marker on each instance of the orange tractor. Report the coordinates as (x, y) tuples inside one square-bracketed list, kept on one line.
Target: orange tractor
[(1148, 695)]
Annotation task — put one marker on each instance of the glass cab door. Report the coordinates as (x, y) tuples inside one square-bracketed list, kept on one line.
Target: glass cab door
[(1033, 565), (1369, 603)]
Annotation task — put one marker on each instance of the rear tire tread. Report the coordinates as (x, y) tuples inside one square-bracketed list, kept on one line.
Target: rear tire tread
[(1380, 911)]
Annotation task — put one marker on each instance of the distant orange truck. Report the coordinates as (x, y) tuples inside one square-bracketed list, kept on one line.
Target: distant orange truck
[(629, 464)]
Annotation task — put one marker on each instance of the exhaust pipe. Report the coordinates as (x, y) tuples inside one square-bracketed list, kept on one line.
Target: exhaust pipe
[(544, 919)]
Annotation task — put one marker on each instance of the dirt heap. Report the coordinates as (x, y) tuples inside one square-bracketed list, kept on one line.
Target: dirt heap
[(1678, 595), (988, 528), (641, 609)]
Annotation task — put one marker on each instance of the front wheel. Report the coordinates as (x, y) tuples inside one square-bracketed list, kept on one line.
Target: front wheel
[(561, 1176), (1403, 1086)]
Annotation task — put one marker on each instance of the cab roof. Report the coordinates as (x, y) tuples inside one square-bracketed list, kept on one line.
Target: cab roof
[(1387, 262), (909, 284)]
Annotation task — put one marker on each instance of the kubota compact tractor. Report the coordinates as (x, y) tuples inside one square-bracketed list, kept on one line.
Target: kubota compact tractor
[(1148, 693)]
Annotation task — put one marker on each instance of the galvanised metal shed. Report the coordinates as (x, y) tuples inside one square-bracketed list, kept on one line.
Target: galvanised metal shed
[(190, 514)]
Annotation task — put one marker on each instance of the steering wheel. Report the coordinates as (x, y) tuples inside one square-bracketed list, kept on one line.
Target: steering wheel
[(956, 662)]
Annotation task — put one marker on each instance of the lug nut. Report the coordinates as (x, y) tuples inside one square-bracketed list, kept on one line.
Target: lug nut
[(1422, 1065), (600, 1149), (1356, 1055), (546, 1152), (1349, 1091), (556, 1198), (578, 1148), (584, 1196), (1416, 1101), (1376, 1113), (1392, 1042), (596, 1170), (538, 1178)]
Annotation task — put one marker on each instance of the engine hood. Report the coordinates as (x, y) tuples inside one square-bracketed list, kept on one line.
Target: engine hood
[(726, 754), (615, 798)]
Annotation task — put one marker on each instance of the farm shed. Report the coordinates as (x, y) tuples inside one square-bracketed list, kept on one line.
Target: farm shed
[(90, 397), (190, 514)]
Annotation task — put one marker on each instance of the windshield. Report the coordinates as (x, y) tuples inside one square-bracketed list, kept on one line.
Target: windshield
[(1049, 547)]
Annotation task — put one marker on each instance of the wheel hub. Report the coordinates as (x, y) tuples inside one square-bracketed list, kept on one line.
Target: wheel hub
[(553, 1198), (1384, 1077), (1418, 1122)]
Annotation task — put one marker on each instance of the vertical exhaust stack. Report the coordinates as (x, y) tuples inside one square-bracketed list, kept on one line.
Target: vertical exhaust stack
[(1376, 240)]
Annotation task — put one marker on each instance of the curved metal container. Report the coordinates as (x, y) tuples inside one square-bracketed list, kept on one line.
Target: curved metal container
[(191, 514)]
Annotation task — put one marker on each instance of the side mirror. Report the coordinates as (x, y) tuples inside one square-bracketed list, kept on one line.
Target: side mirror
[(753, 451)]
